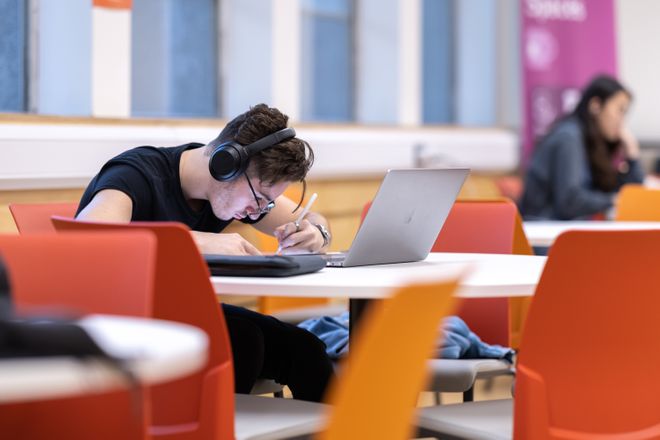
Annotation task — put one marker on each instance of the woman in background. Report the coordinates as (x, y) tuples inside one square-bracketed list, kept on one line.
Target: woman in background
[(579, 166)]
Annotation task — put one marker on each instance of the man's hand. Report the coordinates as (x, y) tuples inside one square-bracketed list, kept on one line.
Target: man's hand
[(304, 239), (226, 244)]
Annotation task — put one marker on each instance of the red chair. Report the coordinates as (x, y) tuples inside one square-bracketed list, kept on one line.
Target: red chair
[(109, 273), (487, 227), (200, 406), (588, 361), (479, 226), (34, 218), (203, 405)]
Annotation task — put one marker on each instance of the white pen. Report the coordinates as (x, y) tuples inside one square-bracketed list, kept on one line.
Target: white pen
[(301, 216)]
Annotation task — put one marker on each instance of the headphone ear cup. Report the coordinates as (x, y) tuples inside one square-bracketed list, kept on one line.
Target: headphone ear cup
[(228, 161)]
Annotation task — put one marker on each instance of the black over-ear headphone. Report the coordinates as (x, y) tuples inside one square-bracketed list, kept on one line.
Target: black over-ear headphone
[(230, 159)]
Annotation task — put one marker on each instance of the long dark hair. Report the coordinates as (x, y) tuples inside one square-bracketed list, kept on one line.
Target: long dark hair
[(600, 151)]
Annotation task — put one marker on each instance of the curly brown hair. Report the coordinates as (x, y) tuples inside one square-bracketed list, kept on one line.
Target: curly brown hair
[(287, 161)]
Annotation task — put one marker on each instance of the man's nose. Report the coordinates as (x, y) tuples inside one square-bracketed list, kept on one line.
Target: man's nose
[(252, 212)]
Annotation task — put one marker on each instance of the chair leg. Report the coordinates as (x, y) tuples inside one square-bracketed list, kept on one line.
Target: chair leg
[(468, 395), (437, 398)]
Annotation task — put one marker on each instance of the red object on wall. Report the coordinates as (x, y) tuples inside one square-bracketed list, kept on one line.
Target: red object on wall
[(114, 4)]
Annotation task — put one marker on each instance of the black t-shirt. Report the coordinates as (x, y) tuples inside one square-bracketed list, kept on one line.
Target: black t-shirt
[(150, 177)]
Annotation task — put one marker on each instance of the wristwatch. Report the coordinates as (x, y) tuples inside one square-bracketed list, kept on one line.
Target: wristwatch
[(324, 233)]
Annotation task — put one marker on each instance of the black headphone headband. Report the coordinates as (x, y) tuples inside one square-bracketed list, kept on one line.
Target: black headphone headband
[(270, 140), (230, 159)]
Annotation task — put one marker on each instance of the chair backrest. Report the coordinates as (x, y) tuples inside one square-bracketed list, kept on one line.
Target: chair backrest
[(85, 273), (202, 404), (488, 227), (510, 186), (589, 357), (637, 203), (34, 218), (484, 226), (109, 273), (395, 339), (465, 228)]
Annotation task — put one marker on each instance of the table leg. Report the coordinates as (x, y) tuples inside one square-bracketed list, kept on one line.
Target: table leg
[(356, 307)]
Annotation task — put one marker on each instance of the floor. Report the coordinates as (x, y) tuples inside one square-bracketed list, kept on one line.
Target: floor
[(487, 389)]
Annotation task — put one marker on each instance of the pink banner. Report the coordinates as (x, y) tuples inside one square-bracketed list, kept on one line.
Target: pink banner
[(564, 44)]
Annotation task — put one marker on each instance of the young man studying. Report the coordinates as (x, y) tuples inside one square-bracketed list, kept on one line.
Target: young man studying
[(240, 175)]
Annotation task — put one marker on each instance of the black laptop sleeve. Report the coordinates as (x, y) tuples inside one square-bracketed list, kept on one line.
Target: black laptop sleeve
[(263, 265)]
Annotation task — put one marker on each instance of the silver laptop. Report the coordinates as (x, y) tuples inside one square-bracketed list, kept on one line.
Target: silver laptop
[(404, 219)]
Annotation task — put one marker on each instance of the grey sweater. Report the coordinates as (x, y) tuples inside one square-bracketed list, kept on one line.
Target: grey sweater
[(559, 186)]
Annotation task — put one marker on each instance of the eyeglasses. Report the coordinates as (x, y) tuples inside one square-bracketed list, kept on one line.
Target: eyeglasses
[(269, 205)]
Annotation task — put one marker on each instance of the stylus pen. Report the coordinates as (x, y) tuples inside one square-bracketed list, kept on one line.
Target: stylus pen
[(302, 215)]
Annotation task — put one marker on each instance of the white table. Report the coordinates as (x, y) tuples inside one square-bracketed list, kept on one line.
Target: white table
[(155, 351), (489, 275), (544, 233)]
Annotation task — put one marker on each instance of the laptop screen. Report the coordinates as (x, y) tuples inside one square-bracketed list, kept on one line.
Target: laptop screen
[(406, 216)]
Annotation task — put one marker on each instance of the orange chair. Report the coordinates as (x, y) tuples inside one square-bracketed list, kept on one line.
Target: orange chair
[(465, 231), (34, 218), (637, 203), (588, 360), (360, 407), (110, 273), (395, 339)]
